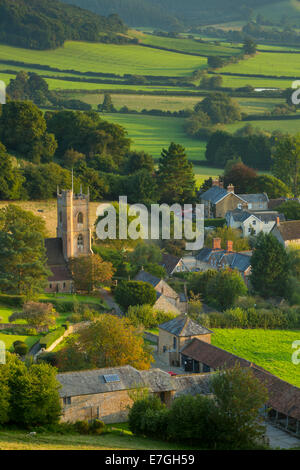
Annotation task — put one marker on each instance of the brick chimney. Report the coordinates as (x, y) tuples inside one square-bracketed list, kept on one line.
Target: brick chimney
[(277, 221), (216, 182), (230, 246), (217, 243), (230, 188), (221, 184)]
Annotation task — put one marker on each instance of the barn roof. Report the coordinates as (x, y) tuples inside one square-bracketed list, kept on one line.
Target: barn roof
[(184, 326)]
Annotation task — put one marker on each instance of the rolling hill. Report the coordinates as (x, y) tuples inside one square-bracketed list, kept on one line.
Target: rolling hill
[(40, 24)]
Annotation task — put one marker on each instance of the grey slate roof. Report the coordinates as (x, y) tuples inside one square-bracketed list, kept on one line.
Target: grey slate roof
[(204, 254), (92, 382), (238, 261), (264, 216), (169, 262), (146, 277), (195, 384), (214, 194), (184, 326), (254, 198), (54, 251)]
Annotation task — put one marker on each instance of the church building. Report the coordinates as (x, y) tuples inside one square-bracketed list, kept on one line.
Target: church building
[(73, 239)]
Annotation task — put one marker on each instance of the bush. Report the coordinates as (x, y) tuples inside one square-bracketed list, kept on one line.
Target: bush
[(82, 427), (97, 427), (21, 348), (129, 293), (146, 416), (49, 339), (12, 300), (148, 317)]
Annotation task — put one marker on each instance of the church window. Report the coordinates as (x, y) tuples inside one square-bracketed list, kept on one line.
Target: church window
[(80, 243), (80, 218)]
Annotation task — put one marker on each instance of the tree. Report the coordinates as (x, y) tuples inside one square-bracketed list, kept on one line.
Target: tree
[(36, 314), (71, 158), (129, 293), (107, 105), (220, 108), (270, 267), (111, 341), (175, 176), (224, 288), (34, 398), (286, 161), (270, 185), (239, 396), (249, 46), (290, 209), (91, 272), (147, 317), (145, 253), (10, 178), (139, 161), (22, 252), (241, 176), (228, 234), (4, 394), (23, 130)]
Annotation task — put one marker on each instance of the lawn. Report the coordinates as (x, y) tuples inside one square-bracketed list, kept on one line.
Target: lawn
[(261, 82), (118, 439), (264, 63), (108, 58), (10, 339), (270, 349)]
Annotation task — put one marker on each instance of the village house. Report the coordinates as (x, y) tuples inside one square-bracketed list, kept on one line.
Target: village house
[(107, 394), (218, 201), (173, 264), (168, 300), (217, 258), (73, 239), (175, 334), (287, 233), (252, 223), (283, 406)]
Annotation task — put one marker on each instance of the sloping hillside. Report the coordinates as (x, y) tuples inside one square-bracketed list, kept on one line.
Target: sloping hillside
[(44, 24), (170, 13)]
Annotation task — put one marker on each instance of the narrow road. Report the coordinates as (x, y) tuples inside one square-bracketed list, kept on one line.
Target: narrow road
[(108, 298)]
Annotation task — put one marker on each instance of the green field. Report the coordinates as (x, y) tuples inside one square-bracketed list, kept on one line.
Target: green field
[(119, 438), (264, 63), (10, 339), (270, 349), (190, 45), (153, 133), (262, 82), (108, 58), (291, 126)]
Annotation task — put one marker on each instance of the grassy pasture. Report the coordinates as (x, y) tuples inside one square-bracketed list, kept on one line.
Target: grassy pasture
[(108, 58), (264, 63), (270, 349), (290, 126), (191, 46), (10, 339), (153, 133), (238, 82)]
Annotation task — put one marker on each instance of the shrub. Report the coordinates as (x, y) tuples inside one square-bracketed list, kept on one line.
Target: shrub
[(49, 339), (21, 349), (12, 300), (129, 293), (139, 422), (75, 318), (31, 332), (82, 427), (97, 427)]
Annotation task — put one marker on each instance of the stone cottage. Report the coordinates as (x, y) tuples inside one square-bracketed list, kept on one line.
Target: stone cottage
[(175, 334)]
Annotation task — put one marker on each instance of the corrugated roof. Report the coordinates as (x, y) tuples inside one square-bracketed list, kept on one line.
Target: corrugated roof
[(184, 326)]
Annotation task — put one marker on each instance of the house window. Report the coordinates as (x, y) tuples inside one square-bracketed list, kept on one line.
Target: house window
[(64, 285), (174, 343), (50, 286), (80, 244), (67, 400), (254, 222)]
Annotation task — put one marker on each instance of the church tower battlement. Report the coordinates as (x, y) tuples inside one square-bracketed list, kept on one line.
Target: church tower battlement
[(73, 225)]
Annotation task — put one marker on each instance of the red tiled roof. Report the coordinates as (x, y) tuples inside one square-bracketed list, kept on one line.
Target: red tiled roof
[(283, 396)]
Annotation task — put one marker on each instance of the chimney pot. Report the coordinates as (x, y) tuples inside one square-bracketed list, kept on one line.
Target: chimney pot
[(277, 221), (230, 188), (217, 243), (229, 246), (216, 182)]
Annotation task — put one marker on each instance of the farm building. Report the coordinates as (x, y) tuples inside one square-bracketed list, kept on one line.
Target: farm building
[(283, 407), (106, 394), (175, 334)]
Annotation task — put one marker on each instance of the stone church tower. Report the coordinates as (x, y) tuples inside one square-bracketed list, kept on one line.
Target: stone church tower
[(73, 226)]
